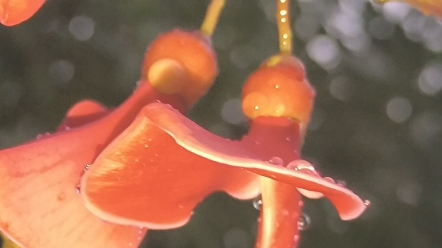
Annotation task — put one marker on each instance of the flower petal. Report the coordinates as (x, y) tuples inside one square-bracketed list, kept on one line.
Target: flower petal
[(201, 142), (145, 178), (82, 113), (13, 12), (38, 200)]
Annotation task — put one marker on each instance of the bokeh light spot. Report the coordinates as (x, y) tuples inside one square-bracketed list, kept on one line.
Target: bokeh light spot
[(82, 28), (399, 109)]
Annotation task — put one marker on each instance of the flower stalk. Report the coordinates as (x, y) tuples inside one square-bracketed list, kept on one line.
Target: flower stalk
[(212, 16)]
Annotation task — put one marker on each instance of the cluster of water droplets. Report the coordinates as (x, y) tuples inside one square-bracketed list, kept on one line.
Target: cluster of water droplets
[(303, 222), (78, 185)]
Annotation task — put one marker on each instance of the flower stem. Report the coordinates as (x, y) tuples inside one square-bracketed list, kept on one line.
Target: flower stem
[(284, 29), (280, 214), (212, 16)]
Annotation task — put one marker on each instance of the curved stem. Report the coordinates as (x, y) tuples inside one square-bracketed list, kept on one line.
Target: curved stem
[(280, 214), (284, 30), (212, 16)]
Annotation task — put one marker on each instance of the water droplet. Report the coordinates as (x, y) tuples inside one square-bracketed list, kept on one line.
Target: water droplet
[(276, 161), (304, 222), (146, 146), (296, 238), (367, 203), (67, 128), (341, 183), (302, 166), (87, 167), (78, 188), (329, 179), (257, 203), (42, 135)]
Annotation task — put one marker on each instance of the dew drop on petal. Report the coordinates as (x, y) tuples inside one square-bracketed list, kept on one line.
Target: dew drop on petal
[(304, 222), (78, 188), (301, 204), (302, 166), (42, 135), (341, 183), (276, 161), (367, 203), (329, 179), (257, 203), (296, 238)]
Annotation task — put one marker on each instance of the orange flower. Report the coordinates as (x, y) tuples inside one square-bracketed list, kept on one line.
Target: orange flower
[(156, 172), (13, 12), (39, 202)]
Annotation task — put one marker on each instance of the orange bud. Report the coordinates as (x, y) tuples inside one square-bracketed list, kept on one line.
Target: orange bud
[(195, 56), (279, 89), (13, 12)]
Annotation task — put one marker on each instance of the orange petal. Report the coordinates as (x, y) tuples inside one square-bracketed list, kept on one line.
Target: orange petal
[(38, 200), (82, 113), (201, 142), (145, 178), (13, 12)]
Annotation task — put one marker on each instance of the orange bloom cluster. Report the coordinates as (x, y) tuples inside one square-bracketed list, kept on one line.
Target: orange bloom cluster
[(106, 176)]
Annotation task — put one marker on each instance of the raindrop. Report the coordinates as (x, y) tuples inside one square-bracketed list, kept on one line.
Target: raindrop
[(296, 238), (87, 167), (257, 203), (276, 161), (341, 183), (78, 188), (304, 222), (42, 135), (367, 203), (302, 166)]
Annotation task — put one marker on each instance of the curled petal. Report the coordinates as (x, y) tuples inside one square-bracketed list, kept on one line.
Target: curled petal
[(145, 178), (39, 204), (13, 12), (201, 142)]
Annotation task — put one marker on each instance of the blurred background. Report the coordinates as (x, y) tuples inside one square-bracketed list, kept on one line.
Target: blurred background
[(377, 122)]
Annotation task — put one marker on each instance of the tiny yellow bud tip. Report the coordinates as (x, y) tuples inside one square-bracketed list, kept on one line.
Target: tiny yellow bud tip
[(167, 76)]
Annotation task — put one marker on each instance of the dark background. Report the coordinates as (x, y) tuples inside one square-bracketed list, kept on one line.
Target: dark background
[(377, 122)]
